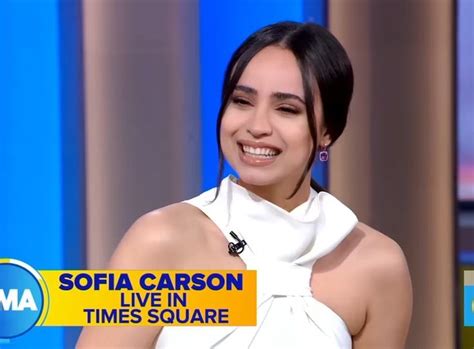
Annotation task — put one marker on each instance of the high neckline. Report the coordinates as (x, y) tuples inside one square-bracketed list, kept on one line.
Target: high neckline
[(301, 236), (282, 246), (307, 211)]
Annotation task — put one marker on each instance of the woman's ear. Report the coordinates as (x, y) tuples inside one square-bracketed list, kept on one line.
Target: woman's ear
[(325, 138)]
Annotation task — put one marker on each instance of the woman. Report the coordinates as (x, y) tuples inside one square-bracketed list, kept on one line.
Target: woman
[(325, 279)]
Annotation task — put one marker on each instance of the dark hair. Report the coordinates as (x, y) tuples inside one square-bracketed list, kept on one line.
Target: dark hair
[(324, 65)]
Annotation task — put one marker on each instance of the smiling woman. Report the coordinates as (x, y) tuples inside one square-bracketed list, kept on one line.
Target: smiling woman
[(265, 131), (324, 279)]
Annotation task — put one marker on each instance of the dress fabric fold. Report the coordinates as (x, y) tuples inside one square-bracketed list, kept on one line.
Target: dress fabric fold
[(282, 246)]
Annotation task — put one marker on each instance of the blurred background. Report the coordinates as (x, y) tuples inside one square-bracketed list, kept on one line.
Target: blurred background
[(108, 111)]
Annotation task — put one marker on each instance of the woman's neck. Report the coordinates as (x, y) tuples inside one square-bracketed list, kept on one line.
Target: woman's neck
[(278, 193)]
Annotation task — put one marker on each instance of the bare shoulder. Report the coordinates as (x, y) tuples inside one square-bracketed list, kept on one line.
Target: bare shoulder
[(381, 259), (381, 254), (156, 239), (389, 290)]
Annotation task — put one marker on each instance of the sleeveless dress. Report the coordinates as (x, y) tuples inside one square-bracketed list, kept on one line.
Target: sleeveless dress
[(282, 246)]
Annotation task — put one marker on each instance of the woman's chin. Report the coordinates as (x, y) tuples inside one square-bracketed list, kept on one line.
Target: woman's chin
[(257, 179)]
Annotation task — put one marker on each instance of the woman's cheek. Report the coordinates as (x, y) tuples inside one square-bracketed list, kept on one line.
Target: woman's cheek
[(227, 131), (230, 122)]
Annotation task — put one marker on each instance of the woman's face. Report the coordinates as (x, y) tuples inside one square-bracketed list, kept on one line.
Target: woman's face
[(264, 132)]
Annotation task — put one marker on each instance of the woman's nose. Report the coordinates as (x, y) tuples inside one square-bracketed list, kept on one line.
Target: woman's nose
[(259, 124)]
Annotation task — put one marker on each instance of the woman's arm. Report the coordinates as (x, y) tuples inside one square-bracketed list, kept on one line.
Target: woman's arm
[(149, 244), (390, 299)]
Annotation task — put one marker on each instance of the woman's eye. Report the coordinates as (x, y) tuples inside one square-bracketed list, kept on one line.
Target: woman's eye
[(240, 101), (289, 110)]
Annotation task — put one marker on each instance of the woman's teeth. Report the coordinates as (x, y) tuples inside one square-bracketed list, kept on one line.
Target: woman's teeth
[(260, 152)]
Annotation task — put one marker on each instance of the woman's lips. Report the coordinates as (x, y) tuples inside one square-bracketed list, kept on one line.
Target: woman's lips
[(255, 155)]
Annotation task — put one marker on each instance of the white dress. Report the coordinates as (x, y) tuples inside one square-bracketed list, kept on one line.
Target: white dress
[(282, 246)]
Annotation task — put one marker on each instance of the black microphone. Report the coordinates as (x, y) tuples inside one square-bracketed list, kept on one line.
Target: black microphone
[(237, 248)]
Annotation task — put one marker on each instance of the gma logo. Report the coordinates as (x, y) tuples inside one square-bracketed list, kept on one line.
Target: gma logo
[(11, 302)]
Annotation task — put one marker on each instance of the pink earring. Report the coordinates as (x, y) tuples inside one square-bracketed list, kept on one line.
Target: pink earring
[(323, 154)]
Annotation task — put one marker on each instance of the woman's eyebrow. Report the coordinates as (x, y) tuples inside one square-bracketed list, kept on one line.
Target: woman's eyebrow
[(277, 95), (284, 95), (246, 89)]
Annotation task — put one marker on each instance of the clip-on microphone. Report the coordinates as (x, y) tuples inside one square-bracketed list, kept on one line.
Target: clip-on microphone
[(236, 248)]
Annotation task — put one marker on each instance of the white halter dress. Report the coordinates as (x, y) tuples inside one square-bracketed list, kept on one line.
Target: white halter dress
[(282, 246)]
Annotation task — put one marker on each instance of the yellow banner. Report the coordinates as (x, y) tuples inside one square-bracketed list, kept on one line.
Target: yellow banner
[(150, 298)]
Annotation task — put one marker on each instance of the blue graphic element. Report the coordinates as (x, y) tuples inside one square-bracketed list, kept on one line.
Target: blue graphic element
[(466, 257), (21, 300), (468, 304), (42, 144), (465, 107)]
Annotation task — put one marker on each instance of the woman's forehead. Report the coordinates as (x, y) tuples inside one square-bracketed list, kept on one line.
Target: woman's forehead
[(273, 69)]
